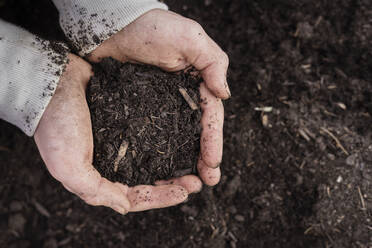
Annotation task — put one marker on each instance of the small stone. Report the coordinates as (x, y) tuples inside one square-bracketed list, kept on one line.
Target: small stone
[(239, 218), (331, 156), (352, 159), (339, 179)]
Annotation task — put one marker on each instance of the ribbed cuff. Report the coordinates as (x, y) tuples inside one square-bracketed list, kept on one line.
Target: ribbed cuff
[(87, 23), (30, 71)]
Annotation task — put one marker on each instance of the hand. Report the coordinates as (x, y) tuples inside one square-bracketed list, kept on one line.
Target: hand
[(173, 43), (64, 138)]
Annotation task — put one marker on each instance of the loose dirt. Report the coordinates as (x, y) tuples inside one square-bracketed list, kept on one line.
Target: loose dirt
[(144, 129)]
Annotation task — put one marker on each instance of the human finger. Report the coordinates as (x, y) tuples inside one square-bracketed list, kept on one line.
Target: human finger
[(207, 57), (95, 190), (190, 182), (210, 176), (144, 197), (211, 140)]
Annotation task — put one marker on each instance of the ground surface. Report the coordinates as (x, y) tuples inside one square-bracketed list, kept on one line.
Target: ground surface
[(297, 176), (143, 129)]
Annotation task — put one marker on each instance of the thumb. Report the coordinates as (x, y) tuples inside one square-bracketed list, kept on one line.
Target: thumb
[(98, 191)]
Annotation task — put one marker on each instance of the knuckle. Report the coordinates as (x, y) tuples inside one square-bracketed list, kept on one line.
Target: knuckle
[(220, 108), (195, 25), (90, 199), (194, 29), (213, 161), (88, 194)]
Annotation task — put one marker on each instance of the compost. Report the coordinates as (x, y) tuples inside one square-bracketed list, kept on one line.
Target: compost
[(297, 163), (143, 128)]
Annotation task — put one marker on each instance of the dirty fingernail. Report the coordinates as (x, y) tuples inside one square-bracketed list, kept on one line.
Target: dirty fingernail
[(120, 210), (228, 90)]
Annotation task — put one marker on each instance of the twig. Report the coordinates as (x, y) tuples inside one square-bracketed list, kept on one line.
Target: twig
[(232, 236), (338, 143), (188, 99), (308, 230), (121, 154), (250, 164), (362, 199)]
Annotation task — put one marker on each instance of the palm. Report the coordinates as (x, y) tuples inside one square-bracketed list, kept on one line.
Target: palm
[(64, 139)]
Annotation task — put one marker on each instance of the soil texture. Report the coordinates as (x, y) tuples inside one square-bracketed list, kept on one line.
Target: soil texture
[(144, 129), (297, 165)]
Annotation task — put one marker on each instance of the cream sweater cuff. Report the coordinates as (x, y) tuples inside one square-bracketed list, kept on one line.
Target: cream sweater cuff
[(30, 71), (87, 23)]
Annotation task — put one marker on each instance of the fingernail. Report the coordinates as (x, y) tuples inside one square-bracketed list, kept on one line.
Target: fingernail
[(120, 210), (227, 90), (196, 192), (217, 166)]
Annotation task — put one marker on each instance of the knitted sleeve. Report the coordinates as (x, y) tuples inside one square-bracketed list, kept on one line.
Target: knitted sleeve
[(30, 70), (87, 23)]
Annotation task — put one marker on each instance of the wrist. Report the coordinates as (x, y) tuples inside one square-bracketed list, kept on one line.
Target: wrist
[(77, 71)]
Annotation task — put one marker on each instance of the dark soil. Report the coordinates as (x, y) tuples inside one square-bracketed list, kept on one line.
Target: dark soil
[(138, 109), (299, 175)]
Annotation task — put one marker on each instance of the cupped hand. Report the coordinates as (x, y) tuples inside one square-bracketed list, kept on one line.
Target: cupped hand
[(173, 43), (64, 139)]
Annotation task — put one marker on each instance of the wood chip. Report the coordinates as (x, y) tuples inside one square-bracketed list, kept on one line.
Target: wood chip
[(232, 236), (250, 164), (188, 99), (338, 143), (264, 109), (40, 208), (304, 135), (265, 120), (308, 132), (341, 105), (121, 154)]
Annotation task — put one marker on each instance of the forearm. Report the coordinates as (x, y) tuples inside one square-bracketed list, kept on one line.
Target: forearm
[(88, 23), (30, 71)]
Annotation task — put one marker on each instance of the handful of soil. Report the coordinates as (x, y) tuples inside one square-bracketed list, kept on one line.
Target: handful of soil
[(143, 127)]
